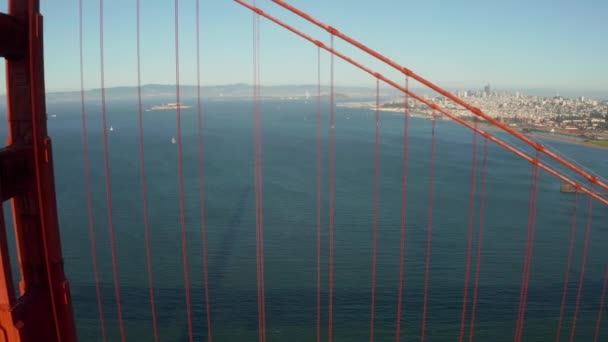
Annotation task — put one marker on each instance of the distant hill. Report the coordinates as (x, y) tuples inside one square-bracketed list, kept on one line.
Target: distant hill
[(166, 92), (234, 91)]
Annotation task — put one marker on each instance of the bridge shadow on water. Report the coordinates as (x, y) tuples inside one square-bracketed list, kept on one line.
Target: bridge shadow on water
[(219, 260)]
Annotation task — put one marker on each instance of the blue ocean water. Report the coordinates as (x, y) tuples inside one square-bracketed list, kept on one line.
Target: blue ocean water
[(289, 167)]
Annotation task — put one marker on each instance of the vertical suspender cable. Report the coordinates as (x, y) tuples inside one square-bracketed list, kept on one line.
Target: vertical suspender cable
[(376, 199), (144, 190), (482, 207), (255, 178), (406, 115), (182, 204), (568, 265), (581, 279), (106, 158), (529, 251), (331, 195), (598, 323), (201, 175), (530, 248), (260, 176), (318, 194), (427, 263), (87, 176), (258, 181), (467, 271)]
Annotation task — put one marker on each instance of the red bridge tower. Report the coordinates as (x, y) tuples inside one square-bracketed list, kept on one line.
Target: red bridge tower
[(42, 310)]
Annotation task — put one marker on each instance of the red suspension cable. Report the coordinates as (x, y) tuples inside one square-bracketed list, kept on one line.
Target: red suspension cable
[(484, 173), (598, 323), (429, 232), (87, 177), (258, 181), (568, 265), (260, 178), (201, 175), (331, 196), (528, 256), (318, 194), (255, 180), (106, 159), (467, 271), (432, 105), (376, 200), (529, 262), (144, 190), (182, 200), (581, 279), (403, 212)]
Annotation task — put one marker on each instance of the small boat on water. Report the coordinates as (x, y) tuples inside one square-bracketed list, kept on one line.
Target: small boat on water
[(173, 141)]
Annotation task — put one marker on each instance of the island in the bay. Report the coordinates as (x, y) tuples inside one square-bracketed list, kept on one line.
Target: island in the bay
[(170, 106)]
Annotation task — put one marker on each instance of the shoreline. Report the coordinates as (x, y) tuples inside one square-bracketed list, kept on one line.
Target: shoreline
[(482, 125), (566, 140)]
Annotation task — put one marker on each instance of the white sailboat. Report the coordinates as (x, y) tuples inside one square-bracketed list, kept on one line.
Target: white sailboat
[(111, 129), (173, 141)]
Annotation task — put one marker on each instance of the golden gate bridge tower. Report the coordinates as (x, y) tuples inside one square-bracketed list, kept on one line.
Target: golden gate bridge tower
[(40, 309)]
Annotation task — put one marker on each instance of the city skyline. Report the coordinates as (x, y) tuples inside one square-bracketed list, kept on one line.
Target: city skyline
[(504, 44)]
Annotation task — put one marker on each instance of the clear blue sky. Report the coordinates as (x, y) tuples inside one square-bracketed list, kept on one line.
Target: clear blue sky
[(554, 44)]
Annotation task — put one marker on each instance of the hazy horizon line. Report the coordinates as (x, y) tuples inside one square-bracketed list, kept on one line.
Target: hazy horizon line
[(603, 94)]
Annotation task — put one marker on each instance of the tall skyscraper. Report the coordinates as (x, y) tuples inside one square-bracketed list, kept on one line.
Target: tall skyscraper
[(487, 89)]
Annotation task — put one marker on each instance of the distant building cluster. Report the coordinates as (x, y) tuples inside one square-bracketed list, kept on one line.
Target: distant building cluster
[(518, 109)]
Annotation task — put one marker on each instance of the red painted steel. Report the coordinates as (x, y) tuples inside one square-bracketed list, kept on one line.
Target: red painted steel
[(201, 176), (406, 118), (484, 174), (87, 178), (375, 225), (429, 231), (13, 40), (180, 164), (142, 176), (581, 280), (523, 295), (467, 271), (568, 266), (43, 312), (332, 167), (319, 182), (478, 112), (108, 185), (258, 179), (434, 106), (598, 322)]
